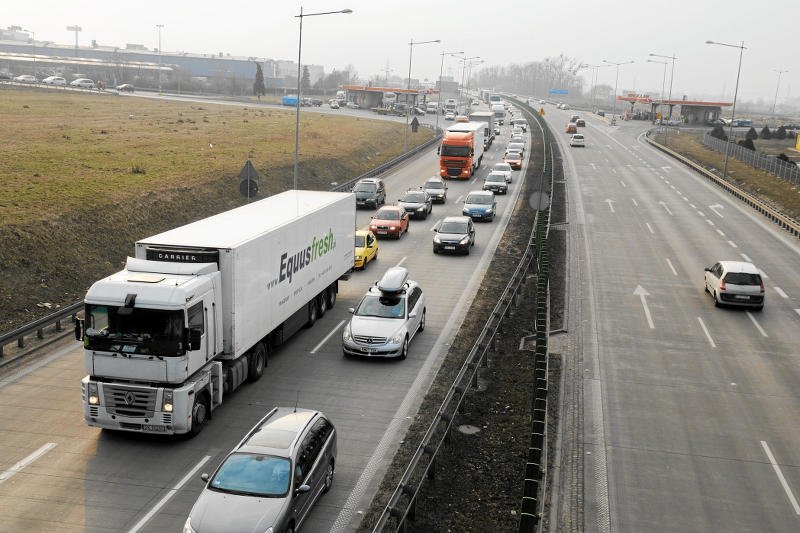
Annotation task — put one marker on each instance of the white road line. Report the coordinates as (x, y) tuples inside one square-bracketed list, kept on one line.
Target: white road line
[(705, 330), (685, 199), (710, 222), (168, 496), (666, 168), (594, 167), (782, 479), (635, 202), (780, 292), (666, 208), (721, 234), (403, 260), (622, 183), (458, 200), (733, 244), (763, 274), (744, 256), (692, 206), (701, 213), (8, 474), (756, 324), (614, 170), (672, 187), (666, 181), (650, 228), (671, 267), (328, 336), (797, 311)]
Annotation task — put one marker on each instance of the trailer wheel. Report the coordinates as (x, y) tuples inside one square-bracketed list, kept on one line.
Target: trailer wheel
[(332, 294), (322, 303), (312, 313), (199, 414), (258, 361)]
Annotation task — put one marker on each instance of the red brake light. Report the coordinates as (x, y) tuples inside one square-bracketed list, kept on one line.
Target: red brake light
[(761, 282), (722, 285)]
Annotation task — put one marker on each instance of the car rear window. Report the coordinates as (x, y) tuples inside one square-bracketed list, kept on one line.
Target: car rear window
[(742, 278)]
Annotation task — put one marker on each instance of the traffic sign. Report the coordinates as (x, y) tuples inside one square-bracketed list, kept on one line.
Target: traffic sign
[(541, 111), (559, 91)]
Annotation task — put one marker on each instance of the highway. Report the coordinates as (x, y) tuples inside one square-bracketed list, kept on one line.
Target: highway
[(56, 473), (689, 411)]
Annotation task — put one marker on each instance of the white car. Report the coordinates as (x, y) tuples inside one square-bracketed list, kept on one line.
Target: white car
[(505, 168), (54, 80), (353, 105), (387, 318), (25, 78), (82, 82), (735, 283), (450, 116), (577, 140)]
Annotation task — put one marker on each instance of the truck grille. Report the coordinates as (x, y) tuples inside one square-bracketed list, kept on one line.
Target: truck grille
[(130, 401), (453, 171), (372, 341)]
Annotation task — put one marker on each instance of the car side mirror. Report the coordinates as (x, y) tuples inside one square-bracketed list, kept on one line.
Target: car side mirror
[(351, 310), (302, 489), (78, 329), (707, 269), (204, 477), (412, 314)]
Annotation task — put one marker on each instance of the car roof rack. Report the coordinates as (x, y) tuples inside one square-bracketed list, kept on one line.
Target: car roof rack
[(394, 281)]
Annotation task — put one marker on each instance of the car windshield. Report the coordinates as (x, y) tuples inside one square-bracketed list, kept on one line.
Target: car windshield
[(496, 177), (453, 227), (742, 278), (383, 306), (252, 474), (484, 199), (365, 187), (134, 330), (413, 197), (502, 167), (361, 241), (387, 214), (513, 155), (434, 185)]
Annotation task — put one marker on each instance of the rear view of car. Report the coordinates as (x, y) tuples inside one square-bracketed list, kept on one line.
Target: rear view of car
[(735, 283), (577, 140)]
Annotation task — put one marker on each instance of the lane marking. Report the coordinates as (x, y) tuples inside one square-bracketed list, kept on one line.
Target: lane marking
[(705, 330), (594, 167), (701, 213), (650, 228), (614, 170), (797, 311), (780, 292), (756, 324), (710, 222), (459, 198), (744, 256), (721, 234), (403, 260), (692, 206), (782, 479), (715, 207), (610, 202), (8, 474), (168, 496), (664, 205), (327, 337), (642, 293), (622, 183), (635, 202), (733, 244), (672, 267)]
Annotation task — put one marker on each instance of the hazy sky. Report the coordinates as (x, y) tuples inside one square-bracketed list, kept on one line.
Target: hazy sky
[(500, 31)]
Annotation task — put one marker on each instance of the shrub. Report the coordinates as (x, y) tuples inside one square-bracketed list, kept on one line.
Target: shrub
[(765, 133), (719, 133), (752, 134), (137, 169), (747, 143)]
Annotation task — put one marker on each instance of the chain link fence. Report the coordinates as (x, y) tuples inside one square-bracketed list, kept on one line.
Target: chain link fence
[(756, 159)]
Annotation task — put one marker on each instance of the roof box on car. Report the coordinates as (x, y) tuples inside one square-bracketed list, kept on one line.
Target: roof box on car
[(394, 280)]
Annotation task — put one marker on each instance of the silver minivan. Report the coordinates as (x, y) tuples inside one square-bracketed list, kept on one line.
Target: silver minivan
[(272, 478), (735, 283)]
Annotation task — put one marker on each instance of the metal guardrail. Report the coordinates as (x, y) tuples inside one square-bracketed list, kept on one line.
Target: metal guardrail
[(402, 503), (776, 216), (56, 318), (787, 171)]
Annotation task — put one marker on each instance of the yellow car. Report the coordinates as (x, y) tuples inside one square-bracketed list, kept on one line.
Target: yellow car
[(366, 248)]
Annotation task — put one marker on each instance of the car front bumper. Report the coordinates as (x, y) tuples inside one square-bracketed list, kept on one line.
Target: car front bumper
[(362, 350)]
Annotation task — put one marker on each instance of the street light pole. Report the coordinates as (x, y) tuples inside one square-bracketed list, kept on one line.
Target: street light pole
[(408, 86), (461, 87), (616, 83), (741, 48), (441, 69), (669, 98), (663, 80), (297, 105), (159, 26), (775, 101), (76, 29)]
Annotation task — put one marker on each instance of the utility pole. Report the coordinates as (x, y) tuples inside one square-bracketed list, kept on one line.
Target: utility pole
[(159, 26), (76, 29)]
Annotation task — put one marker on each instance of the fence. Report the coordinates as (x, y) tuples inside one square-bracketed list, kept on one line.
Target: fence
[(756, 159)]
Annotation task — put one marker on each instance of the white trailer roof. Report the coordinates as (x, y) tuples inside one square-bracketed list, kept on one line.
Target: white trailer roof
[(236, 226)]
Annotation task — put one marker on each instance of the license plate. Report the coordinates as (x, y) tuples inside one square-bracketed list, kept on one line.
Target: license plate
[(150, 427), (449, 247), (381, 233), (742, 297)]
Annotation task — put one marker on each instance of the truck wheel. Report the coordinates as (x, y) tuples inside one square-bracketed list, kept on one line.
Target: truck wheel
[(322, 303), (199, 414), (312, 313), (258, 361), (332, 294)]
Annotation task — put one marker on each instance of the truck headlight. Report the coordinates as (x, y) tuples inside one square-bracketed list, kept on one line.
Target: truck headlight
[(166, 404), (92, 395), (346, 335)]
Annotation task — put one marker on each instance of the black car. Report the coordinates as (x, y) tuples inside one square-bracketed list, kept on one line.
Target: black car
[(495, 182), (417, 202), (370, 192), (454, 234)]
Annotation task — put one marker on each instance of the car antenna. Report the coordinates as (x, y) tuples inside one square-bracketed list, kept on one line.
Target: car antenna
[(297, 400)]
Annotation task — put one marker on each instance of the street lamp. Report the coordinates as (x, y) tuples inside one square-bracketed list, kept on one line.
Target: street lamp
[(669, 98), (467, 103), (463, 69), (775, 101), (663, 79), (297, 106), (616, 82), (594, 80), (441, 69), (741, 48), (33, 42), (159, 26), (408, 86), (76, 29)]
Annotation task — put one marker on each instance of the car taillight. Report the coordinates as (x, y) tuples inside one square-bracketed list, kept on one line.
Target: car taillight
[(762, 285), (722, 285)]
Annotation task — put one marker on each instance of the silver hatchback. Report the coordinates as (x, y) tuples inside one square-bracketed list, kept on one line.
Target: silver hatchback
[(272, 478), (735, 283)]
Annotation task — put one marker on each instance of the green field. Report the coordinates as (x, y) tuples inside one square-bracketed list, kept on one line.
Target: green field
[(83, 176)]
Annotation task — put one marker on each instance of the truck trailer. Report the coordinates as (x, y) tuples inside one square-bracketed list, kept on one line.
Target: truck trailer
[(461, 151), (488, 133), (198, 310)]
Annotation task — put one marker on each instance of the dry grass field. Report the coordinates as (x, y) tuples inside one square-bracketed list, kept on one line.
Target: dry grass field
[(83, 176)]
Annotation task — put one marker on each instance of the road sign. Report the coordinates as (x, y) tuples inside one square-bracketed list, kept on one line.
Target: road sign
[(414, 125), (559, 91), (541, 111)]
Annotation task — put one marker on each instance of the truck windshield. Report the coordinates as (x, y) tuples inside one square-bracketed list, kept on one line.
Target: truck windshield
[(455, 151), (134, 330)]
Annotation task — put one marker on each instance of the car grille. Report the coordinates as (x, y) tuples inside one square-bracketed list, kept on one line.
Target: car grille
[(369, 340), (129, 401)]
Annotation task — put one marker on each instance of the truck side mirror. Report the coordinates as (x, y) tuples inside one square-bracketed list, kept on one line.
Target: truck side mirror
[(78, 329), (195, 335)]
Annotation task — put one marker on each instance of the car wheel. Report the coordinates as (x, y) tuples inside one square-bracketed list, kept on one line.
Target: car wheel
[(716, 301), (435, 251), (258, 360), (422, 322), (705, 286), (199, 414), (759, 308), (312, 313), (328, 483), (404, 349), (290, 528)]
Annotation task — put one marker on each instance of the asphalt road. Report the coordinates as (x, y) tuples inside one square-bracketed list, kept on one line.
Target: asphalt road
[(690, 412), (56, 473)]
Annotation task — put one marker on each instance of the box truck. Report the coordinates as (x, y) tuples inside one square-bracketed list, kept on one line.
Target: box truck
[(488, 132), (461, 151), (499, 112), (199, 308)]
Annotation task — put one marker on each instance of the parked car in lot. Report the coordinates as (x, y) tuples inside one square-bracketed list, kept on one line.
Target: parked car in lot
[(370, 192), (571, 128), (505, 169), (54, 80), (84, 83), (436, 188), (495, 182), (366, 249), (735, 283), (416, 202), (577, 140), (454, 235), (271, 480), (514, 159), (480, 205), (25, 78), (125, 88), (387, 318), (389, 221)]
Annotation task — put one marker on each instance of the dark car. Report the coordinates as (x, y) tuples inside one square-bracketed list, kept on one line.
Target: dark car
[(454, 234), (416, 202), (370, 192), (495, 182), (580, 123)]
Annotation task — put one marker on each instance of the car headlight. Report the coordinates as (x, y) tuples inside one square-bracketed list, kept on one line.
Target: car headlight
[(166, 404), (187, 527), (489, 211), (398, 337), (392, 227), (465, 240), (92, 394), (436, 239), (346, 334)]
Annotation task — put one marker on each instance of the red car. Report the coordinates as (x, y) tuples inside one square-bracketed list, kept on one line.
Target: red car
[(389, 221), (572, 128), (514, 159)]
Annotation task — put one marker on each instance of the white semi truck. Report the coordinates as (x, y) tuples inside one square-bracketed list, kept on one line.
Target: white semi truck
[(486, 117), (198, 309)]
